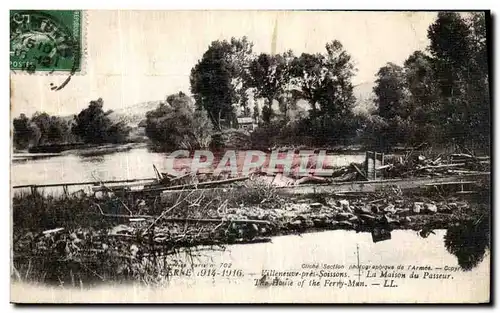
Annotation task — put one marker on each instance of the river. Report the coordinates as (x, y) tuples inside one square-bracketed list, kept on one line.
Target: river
[(444, 249), (132, 164)]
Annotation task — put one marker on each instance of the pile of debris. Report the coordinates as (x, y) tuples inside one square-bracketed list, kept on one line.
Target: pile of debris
[(128, 246), (412, 165), (133, 235), (362, 215)]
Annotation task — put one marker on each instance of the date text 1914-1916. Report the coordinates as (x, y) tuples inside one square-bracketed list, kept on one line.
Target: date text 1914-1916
[(47, 41)]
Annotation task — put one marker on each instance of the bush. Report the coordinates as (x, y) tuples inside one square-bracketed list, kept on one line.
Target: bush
[(177, 125), (306, 132), (93, 125), (41, 129)]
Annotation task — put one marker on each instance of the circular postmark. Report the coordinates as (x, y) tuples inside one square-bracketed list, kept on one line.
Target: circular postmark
[(45, 41)]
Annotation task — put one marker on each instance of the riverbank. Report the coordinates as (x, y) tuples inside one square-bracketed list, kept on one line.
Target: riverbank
[(75, 149), (105, 149)]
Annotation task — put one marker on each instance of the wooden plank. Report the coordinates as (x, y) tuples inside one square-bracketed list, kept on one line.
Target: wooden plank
[(370, 186), (85, 183), (118, 187), (440, 166), (353, 187), (366, 161), (359, 171), (190, 186), (221, 189), (188, 220), (452, 183)]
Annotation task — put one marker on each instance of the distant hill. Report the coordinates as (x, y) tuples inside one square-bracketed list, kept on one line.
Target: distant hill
[(364, 95), (134, 114)]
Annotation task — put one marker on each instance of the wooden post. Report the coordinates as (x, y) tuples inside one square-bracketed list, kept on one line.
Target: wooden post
[(382, 162), (370, 162), (367, 159)]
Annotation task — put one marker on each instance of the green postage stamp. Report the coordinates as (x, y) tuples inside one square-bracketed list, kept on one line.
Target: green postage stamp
[(47, 41)]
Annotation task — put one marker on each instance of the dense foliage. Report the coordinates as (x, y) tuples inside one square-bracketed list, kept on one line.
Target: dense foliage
[(229, 77), (40, 129), (177, 124), (441, 95), (218, 80), (91, 125)]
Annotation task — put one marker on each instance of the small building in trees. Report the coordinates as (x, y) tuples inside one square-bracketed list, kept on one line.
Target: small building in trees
[(246, 123)]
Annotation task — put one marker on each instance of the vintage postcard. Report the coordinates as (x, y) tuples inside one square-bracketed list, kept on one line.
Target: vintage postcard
[(250, 156)]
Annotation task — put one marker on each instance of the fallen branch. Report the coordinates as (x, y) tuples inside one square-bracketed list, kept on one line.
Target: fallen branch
[(310, 179), (158, 174), (375, 201), (52, 231), (384, 167)]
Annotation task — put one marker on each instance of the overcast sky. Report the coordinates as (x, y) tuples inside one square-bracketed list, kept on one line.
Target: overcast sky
[(138, 56)]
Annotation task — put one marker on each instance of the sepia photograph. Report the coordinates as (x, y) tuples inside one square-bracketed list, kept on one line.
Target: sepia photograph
[(162, 156)]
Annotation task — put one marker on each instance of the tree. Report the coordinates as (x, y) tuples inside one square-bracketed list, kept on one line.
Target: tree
[(393, 109), (309, 75), (59, 130), (450, 49), (423, 98), (442, 95), (218, 79), (176, 124), (270, 75), (22, 133), (324, 81), (477, 77), (448, 37), (93, 125), (390, 92), (458, 45), (41, 129), (477, 41), (43, 123)]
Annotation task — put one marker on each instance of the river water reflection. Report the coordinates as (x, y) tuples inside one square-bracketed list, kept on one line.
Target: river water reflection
[(467, 282), (294, 253)]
